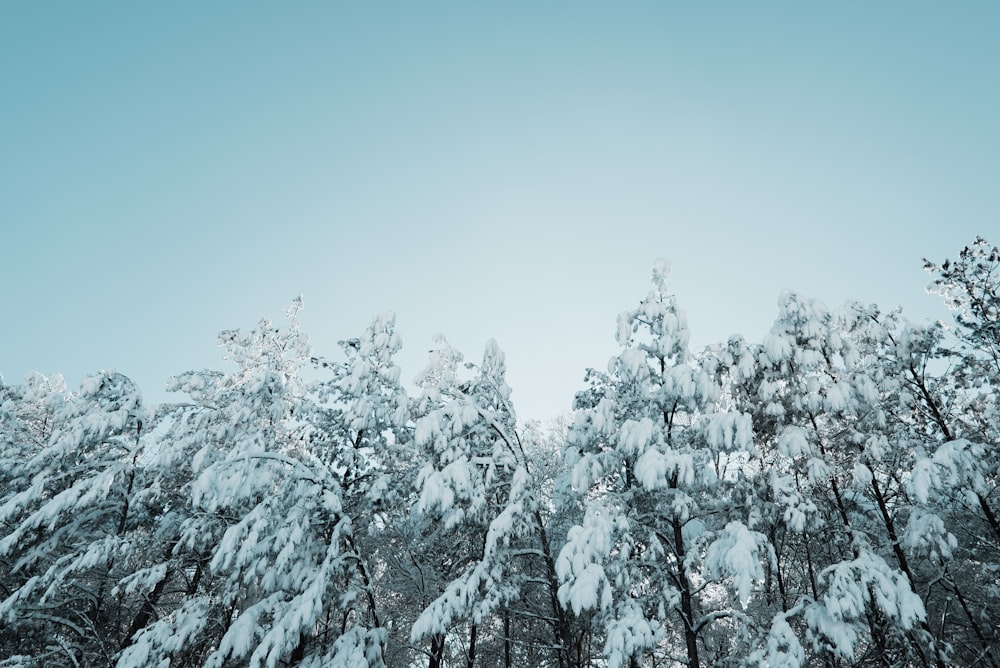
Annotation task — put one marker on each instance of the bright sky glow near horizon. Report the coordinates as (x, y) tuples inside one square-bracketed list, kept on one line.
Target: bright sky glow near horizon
[(506, 171)]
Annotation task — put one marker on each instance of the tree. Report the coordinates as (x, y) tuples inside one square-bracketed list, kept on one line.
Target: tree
[(283, 482), (827, 496), (72, 518), (655, 462), (479, 508)]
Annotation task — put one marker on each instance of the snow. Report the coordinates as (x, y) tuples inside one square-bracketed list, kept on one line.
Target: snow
[(818, 469), (655, 469), (585, 585), (628, 635), (736, 555), (730, 431), (922, 479), (794, 442), (854, 585), (925, 533), (783, 649), (777, 348), (635, 436), (299, 502), (862, 475)]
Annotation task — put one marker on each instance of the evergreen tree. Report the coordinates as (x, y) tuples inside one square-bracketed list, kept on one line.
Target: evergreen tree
[(655, 461)]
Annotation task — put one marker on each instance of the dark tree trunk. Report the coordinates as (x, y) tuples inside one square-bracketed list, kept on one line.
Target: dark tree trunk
[(687, 605), (471, 657), (563, 632), (437, 652), (146, 612), (506, 640), (299, 652)]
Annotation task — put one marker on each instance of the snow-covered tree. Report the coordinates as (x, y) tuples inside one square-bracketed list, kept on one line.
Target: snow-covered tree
[(828, 496), (282, 481), (962, 403), (478, 504), (655, 459), (72, 519), (835, 455), (949, 403)]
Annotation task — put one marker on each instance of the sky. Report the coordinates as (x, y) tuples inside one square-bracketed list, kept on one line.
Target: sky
[(485, 170)]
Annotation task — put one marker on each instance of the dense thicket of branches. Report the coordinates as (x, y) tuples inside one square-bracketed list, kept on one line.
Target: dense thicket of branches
[(827, 496)]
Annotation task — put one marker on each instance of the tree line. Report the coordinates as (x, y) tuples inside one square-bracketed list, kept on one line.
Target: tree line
[(827, 496)]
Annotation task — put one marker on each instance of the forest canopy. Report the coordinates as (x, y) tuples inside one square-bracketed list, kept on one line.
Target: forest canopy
[(825, 496)]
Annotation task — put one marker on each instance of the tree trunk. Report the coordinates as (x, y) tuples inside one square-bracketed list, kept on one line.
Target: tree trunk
[(146, 613), (437, 652), (471, 657), (506, 640), (904, 566), (987, 647), (299, 652), (563, 633), (687, 606)]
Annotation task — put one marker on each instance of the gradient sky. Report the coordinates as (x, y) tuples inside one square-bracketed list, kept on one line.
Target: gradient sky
[(511, 171)]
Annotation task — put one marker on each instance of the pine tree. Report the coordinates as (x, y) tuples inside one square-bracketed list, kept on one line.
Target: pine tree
[(655, 459), (72, 518)]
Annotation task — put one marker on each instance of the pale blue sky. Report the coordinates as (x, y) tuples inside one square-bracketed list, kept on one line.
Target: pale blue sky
[(509, 171)]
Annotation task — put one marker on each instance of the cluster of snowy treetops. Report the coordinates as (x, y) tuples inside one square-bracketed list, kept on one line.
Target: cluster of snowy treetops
[(826, 497)]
